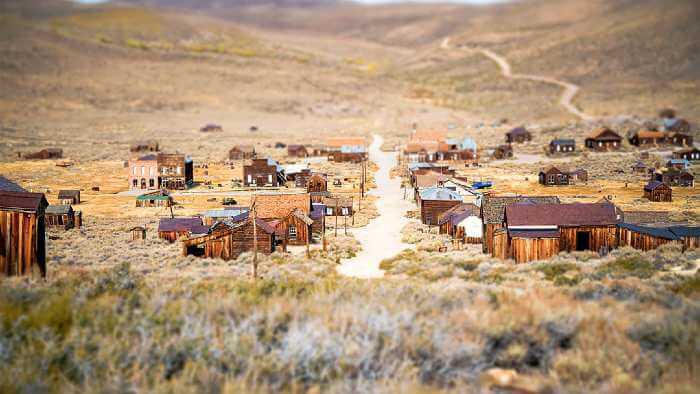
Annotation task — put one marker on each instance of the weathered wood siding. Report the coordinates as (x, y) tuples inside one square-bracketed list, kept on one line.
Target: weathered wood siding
[(691, 242), (660, 194), (523, 250), (65, 221), (22, 243), (172, 236), (601, 237), (303, 230), (230, 243), (489, 231), (430, 210), (641, 241), (499, 244)]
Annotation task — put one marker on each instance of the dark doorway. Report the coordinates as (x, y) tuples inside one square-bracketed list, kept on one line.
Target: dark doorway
[(583, 240), (195, 250)]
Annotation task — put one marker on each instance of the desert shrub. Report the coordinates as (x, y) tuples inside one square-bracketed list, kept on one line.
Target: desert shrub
[(136, 44), (636, 266), (686, 285), (554, 270)]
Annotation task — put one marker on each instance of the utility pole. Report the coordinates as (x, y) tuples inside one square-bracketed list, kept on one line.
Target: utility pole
[(323, 233), (255, 240), (336, 216)]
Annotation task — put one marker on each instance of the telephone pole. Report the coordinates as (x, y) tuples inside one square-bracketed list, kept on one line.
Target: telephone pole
[(255, 240)]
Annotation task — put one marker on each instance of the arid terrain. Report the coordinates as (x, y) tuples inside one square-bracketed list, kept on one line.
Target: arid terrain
[(390, 305)]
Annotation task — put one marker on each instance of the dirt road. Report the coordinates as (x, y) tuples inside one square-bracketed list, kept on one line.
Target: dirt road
[(567, 96), (380, 239)]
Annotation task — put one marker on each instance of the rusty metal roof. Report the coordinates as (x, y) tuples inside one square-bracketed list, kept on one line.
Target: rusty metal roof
[(578, 214), (9, 186), (65, 194), (494, 207), (22, 201)]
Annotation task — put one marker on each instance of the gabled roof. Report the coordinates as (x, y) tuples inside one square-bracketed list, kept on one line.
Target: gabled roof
[(227, 225), (302, 216), (439, 193), (22, 201), (9, 186), (59, 209), (193, 225), (157, 195), (603, 133), (494, 207), (518, 131), (562, 141), (422, 146), (552, 169), (639, 164), (277, 206), (65, 194), (524, 215), (458, 213)]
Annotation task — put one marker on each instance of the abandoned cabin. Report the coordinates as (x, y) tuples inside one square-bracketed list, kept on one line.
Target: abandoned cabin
[(540, 231), (640, 168), (562, 146), (138, 233), (346, 149), (552, 176), (429, 146), (157, 199), (171, 229), (657, 192), (45, 154), (145, 146), (60, 216), (518, 135), (317, 183), (263, 173), (288, 214), (646, 138), (603, 139), (692, 154), (578, 175), (435, 201), (493, 210), (678, 164), (228, 240), (462, 223), (242, 152), (294, 150), (69, 197), (503, 152), (293, 229), (674, 177), (22, 233)]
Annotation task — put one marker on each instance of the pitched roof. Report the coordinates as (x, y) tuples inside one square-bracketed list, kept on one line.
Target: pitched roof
[(518, 131), (646, 217), (193, 225), (9, 186), (458, 213), (65, 194), (23, 201), (577, 214), (430, 179), (302, 216), (658, 232), (224, 213), (552, 169), (650, 134), (494, 207), (58, 209), (600, 134), (342, 202), (562, 141), (269, 206), (685, 231), (439, 193)]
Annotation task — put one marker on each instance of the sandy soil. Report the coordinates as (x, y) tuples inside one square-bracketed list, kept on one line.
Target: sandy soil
[(381, 239)]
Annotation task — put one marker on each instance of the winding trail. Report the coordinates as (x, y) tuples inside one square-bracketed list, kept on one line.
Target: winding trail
[(381, 238), (567, 96)]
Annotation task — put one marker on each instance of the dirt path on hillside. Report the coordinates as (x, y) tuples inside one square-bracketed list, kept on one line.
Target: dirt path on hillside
[(381, 238), (565, 100)]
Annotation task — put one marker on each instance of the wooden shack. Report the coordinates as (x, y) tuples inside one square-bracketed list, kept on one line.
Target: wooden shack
[(45, 154), (294, 150), (338, 206), (674, 177), (503, 152), (171, 229), (294, 229), (644, 138), (138, 233), (61, 216), (435, 201), (242, 152), (640, 168), (155, 199), (540, 231), (263, 173), (144, 146), (562, 146), (213, 216), (645, 237), (603, 139), (69, 197), (552, 176), (657, 192), (462, 223), (688, 235), (22, 233), (692, 154), (518, 135), (227, 241), (493, 210)]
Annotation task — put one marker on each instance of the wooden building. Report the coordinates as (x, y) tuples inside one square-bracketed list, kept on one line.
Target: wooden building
[(435, 201), (242, 152), (552, 176), (45, 154), (297, 174), (493, 210), (7, 185), (644, 138), (171, 229), (271, 206), (213, 216), (294, 150), (674, 177), (462, 223), (688, 235), (144, 146), (227, 241), (518, 135), (138, 233), (644, 237), (175, 171), (69, 197), (692, 154), (338, 206), (577, 176), (317, 183), (263, 173), (640, 168), (503, 152), (348, 154), (22, 233), (60, 216), (603, 139), (540, 231), (294, 229), (562, 147), (658, 192), (158, 199)]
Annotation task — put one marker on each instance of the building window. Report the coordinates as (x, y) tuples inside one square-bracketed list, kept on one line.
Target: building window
[(329, 211), (344, 211), (143, 170), (151, 183), (292, 232), (135, 183), (178, 170), (134, 170), (550, 179), (151, 171), (269, 178)]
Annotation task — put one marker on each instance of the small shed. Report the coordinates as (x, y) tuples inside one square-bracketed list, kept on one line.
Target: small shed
[(462, 223), (657, 192), (552, 176), (69, 197), (228, 240), (294, 229), (317, 183), (294, 150), (578, 175), (22, 233), (60, 216), (645, 237), (603, 139), (242, 152), (170, 229), (518, 135), (640, 168), (562, 146), (155, 199), (503, 152), (435, 201), (138, 233)]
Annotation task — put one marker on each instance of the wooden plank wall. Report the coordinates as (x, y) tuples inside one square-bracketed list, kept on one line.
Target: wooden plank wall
[(601, 236), (22, 238), (640, 241), (499, 244), (531, 249), (431, 210), (489, 231), (229, 244)]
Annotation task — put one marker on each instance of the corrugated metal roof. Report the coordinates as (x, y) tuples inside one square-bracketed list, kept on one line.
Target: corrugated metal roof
[(223, 213), (577, 214), (439, 193), (494, 207), (685, 231), (193, 225)]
